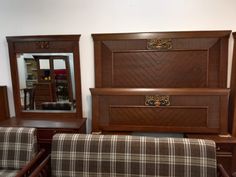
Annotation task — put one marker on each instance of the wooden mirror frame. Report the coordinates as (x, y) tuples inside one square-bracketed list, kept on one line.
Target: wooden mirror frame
[(44, 44)]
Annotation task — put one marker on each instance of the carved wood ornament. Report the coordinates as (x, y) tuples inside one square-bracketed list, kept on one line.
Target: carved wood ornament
[(42, 44), (159, 44), (157, 100)]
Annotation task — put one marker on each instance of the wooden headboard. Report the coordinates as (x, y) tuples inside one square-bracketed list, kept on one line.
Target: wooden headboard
[(165, 82), (161, 60)]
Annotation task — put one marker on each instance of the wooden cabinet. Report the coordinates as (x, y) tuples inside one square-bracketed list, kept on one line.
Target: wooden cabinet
[(4, 108), (45, 135), (46, 128), (225, 149), (42, 93), (55, 70)]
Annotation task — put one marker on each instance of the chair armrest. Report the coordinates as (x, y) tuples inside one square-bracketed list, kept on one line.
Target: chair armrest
[(44, 169), (31, 165), (221, 171), (234, 174)]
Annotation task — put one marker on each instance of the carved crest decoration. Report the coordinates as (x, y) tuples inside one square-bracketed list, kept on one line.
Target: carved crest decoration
[(42, 44), (157, 100), (157, 44)]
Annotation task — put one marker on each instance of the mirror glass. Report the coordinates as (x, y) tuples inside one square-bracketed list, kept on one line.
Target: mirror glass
[(46, 81), (44, 64)]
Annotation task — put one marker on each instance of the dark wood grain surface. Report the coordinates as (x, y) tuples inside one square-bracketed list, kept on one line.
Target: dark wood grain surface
[(44, 122), (4, 107), (195, 59)]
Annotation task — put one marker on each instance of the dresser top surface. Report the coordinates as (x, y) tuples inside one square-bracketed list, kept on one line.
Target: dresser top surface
[(44, 123)]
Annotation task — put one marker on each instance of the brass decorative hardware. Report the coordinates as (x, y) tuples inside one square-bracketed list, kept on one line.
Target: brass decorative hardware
[(157, 100), (159, 44), (42, 44)]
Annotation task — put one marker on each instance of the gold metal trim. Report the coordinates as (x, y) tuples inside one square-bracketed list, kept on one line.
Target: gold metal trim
[(159, 44), (157, 100)]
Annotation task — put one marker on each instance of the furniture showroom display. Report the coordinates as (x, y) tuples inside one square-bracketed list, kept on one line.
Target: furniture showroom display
[(155, 83)]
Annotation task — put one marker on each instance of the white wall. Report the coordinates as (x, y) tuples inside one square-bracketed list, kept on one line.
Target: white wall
[(34, 17)]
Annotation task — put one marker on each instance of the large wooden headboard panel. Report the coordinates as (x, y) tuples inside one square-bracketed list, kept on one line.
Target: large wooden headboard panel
[(161, 60), (188, 70)]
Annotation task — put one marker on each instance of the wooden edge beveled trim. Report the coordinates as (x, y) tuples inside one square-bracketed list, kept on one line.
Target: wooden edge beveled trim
[(150, 91), (234, 34), (43, 38), (221, 171), (5, 108), (44, 122), (161, 107), (223, 114), (157, 128), (152, 35)]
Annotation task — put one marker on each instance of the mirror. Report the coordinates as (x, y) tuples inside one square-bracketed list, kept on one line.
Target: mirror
[(46, 81), (45, 74)]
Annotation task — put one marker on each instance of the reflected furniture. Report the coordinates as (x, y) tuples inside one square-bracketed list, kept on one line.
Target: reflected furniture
[(56, 106), (58, 77), (31, 72), (122, 155), (47, 122), (42, 92), (28, 98), (18, 151), (166, 82), (4, 107)]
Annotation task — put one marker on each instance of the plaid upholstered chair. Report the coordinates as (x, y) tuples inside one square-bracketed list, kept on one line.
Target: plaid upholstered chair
[(18, 151), (75, 155)]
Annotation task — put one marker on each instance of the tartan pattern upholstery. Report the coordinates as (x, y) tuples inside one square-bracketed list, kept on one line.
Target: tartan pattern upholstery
[(56, 106), (8, 173), (17, 146), (118, 155)]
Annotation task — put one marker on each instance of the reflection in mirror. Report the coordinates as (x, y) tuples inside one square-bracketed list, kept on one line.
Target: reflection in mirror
[(44, 64), (46, 81)]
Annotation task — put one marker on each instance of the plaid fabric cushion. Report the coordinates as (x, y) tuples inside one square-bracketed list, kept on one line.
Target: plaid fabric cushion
[(8, 173), (56, 106), (17, 146), (116, 155)]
